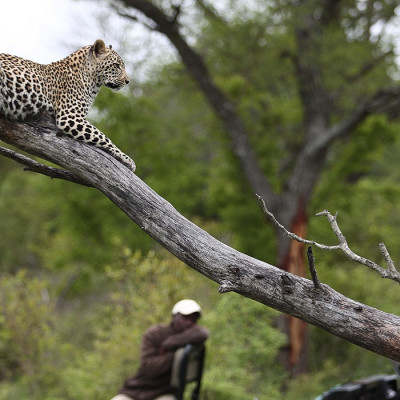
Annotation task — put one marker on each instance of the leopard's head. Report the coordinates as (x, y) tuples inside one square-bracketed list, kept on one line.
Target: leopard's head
[(110, 68)]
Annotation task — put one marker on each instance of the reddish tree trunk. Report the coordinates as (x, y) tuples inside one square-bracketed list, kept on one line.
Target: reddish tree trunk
[(294, 356)]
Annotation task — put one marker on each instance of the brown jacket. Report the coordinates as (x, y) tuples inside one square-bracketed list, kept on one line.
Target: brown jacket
[(157, 352)]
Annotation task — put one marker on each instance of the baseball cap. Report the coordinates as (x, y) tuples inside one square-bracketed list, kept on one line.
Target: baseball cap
[(186, 307)]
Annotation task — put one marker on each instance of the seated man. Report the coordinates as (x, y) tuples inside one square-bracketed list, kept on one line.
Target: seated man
[(152, 381)]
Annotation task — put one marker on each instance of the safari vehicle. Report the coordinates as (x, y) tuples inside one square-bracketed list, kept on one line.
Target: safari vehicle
[(377, 387)]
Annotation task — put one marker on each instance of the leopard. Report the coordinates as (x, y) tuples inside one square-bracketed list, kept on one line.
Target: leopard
[(66, 90)]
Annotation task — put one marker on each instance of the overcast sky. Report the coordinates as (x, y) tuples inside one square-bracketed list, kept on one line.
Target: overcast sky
[(49, 30), (46, 30)]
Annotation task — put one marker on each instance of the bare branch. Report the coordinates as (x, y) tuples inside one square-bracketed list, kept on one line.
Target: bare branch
[(290, 234), (368, 67), (210, 11), (378, 102), (389, 272), (149, 24), (34, 166)]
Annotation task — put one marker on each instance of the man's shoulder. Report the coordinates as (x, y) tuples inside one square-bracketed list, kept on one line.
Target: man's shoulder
[(158, 328)]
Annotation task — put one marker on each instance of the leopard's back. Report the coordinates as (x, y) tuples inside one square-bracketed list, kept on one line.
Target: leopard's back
[(23, 87)]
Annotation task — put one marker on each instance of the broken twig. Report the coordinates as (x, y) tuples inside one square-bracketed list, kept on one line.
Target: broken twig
[(311, 266)]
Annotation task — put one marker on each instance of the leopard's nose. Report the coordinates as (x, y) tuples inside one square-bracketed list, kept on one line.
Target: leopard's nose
[(126, 81)]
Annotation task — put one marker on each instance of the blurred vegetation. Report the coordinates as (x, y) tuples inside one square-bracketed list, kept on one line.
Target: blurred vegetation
[(80, 283)]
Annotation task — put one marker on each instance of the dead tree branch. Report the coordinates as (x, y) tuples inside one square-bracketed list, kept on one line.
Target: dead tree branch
[(290, 234), (390, 272), (360, 324), (34, 166)]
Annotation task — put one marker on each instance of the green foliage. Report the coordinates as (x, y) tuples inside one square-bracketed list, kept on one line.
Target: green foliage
[(31, 351), (19, 195), (248, 342)]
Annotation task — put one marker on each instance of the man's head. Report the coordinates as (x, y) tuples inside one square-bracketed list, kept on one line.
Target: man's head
[(185, 314)]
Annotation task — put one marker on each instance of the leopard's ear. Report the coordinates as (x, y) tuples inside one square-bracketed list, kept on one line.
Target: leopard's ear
[(99, 48)]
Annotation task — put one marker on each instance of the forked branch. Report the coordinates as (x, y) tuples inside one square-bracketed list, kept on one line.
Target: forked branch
[(389, 272)]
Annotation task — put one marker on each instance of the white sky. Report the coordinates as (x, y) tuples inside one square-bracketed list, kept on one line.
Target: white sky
[(47, 30)]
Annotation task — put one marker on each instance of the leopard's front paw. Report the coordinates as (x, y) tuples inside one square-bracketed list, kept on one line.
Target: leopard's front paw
[(128, 162), (122, 157)]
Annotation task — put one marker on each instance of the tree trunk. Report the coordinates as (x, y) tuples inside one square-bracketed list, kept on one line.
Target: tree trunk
[(234, 271), (294, 355)]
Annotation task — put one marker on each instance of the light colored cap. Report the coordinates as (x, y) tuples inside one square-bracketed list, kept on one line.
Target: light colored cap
[(186, 307)]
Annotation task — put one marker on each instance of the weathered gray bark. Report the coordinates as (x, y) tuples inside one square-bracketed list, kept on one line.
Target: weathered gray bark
[(360, 324)]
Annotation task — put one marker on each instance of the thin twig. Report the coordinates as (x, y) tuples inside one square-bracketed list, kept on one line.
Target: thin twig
[(292, 235)]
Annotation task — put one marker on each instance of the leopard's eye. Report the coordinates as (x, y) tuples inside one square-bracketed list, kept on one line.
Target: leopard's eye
[(118, 66)]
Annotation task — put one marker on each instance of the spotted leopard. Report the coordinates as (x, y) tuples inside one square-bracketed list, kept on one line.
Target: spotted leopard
[(66, 89)]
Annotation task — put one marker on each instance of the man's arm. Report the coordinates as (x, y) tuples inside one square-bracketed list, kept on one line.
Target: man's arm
[(194, 335)]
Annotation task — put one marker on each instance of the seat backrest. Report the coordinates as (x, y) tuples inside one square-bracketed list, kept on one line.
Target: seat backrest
[(187, 366)]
